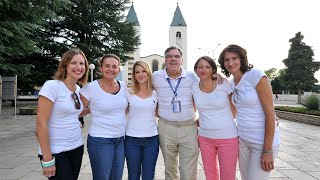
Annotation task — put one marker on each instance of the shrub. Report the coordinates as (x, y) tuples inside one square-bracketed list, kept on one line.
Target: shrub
[(311, 102)]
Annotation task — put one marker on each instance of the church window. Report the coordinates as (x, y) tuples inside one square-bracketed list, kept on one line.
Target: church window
[(178, 35), (155, 65)]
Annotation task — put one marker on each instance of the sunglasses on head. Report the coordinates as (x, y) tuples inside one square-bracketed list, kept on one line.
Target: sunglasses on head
[(75, 98)]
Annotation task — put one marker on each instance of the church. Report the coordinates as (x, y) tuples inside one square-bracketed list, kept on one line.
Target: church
[(177, 36)]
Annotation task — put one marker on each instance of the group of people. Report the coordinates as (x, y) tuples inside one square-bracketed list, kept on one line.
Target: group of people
[(236, 119)]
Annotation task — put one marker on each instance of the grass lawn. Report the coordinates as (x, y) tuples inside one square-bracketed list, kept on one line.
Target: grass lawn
[(302, 110)]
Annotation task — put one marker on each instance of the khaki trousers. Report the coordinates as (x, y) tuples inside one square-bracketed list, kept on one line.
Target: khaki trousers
[(179, 140)]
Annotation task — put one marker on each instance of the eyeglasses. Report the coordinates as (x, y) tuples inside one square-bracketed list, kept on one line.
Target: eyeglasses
[(235, 95), (75, 98), (171, 56)]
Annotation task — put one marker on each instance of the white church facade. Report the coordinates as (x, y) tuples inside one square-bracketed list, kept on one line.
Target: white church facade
[(177, 36)]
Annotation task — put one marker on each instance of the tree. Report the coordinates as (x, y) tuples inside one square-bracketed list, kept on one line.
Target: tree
[(96, 27), (278, 84), (271, 73), (19, 20), (300, 66)]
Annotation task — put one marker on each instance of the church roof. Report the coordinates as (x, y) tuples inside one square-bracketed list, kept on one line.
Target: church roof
[(132, 16), (178, 19)]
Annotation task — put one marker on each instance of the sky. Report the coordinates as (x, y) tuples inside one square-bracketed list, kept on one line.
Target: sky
[(263, 28)]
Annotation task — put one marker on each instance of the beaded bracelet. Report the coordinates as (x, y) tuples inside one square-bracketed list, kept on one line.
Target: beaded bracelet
[(49, 163)]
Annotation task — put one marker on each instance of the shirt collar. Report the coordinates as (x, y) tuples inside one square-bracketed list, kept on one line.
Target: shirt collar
[(183, 73)]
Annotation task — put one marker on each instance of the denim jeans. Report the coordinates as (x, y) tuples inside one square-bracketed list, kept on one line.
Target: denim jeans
[(106, 157), (67, 164), (141, 153)]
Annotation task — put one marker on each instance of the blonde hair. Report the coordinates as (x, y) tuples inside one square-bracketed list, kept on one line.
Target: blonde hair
[(135, 88), (61, 73)]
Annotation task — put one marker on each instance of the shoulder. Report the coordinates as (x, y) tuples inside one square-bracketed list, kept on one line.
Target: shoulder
[(192, 75), (52, 83), (255, 71), (195, 85), (158, 73)]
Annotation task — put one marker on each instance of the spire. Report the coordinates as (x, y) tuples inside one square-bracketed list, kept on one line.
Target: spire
[(178, 19), (132, 16)]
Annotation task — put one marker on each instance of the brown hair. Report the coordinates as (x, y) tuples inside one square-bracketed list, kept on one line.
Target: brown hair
[(209, 60), (109, 56), (61, 73), (242, 53), (135, 84)]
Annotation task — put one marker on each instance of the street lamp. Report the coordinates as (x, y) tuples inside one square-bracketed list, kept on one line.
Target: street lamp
[(211, 50), (91, 67)]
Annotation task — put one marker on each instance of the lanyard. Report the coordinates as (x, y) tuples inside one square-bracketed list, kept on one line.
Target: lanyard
[(176, 88)]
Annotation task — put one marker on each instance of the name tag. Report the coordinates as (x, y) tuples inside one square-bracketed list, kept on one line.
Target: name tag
[(176, 106)]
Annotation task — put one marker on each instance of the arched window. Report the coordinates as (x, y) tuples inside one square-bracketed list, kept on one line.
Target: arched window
[(155, 64), (178, 35), (163, 65)]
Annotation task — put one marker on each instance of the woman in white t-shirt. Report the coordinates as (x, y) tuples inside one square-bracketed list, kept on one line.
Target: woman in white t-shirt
[(252, 96), (58, 129), (218, 138), (142, 141), (107, 101)]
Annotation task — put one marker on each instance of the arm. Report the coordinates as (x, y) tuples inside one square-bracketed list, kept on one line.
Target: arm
[(85, 104), (219, 78), (232, 107), (265, 95), (42, 132)]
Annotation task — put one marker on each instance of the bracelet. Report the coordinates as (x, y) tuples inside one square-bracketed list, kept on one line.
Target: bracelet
[(49, 163), (265, 151)]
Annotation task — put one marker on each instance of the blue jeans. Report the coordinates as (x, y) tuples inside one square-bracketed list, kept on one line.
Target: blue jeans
[(141, 153), (106, 157)]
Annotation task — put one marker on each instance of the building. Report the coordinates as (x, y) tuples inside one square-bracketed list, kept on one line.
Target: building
[(177, 36)]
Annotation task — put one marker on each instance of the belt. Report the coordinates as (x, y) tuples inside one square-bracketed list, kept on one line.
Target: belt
[(178, 123)]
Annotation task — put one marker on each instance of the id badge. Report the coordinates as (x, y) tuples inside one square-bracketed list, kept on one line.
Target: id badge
[(176, 106)]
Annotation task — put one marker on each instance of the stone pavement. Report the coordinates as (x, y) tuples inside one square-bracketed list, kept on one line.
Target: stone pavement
[(298, 159)]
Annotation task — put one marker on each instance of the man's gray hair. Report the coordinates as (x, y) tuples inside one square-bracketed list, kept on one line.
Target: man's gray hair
[(171, 48)]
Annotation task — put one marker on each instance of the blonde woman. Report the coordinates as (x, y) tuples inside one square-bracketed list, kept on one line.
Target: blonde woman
[(58, 130), (107, 100), (142, 141)]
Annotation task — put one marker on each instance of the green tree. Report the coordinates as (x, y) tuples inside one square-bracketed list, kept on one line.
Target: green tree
[(300, 66), (19, 20), (271, 73), (278, 84), (96, 27)]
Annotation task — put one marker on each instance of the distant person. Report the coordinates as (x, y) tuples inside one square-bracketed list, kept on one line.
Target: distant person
[(218, 137), (107, 102), (276, 97), (141, 141), (58, 131), (252, 96)]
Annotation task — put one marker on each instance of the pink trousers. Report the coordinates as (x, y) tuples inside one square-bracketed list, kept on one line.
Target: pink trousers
[(219, 157)]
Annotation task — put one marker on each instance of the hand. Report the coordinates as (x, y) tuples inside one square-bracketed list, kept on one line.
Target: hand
[(49, 171), (218, 77), (198, 123), (267, 162)]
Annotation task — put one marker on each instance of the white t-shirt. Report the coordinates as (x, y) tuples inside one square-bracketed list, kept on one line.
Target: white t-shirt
[(165, 95), (64, 127), (141, 116), (107, 110), (215, 116), (250, 116)]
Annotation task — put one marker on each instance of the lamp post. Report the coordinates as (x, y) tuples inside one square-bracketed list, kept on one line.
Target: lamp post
[(211, 50), (91, 67)]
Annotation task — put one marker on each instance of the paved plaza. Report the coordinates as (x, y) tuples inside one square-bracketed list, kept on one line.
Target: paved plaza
[(298, 158)]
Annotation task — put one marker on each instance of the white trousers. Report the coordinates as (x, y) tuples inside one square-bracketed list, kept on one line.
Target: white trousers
[(250, 160)]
